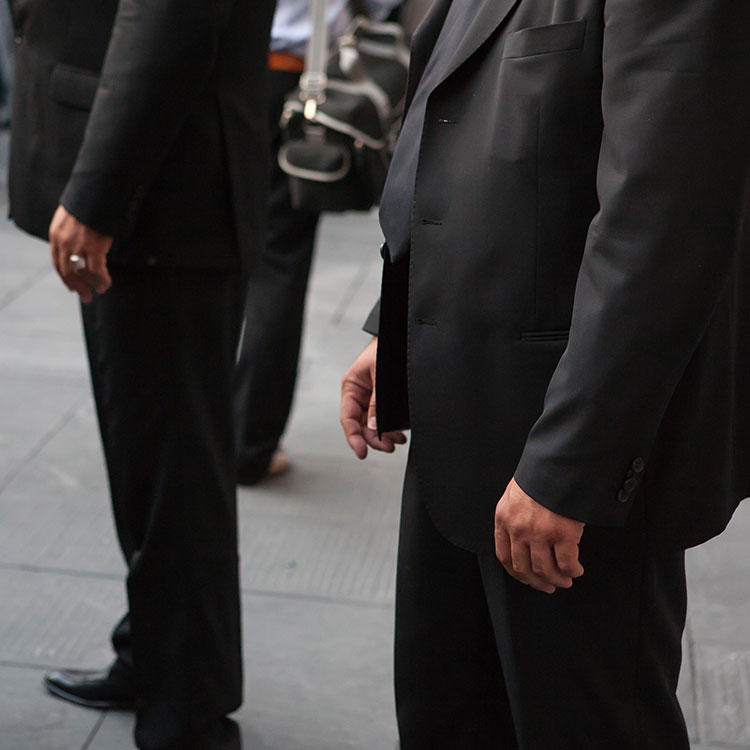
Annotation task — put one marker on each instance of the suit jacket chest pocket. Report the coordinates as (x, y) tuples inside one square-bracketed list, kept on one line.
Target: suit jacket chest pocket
[(540, 68), (546, 40)]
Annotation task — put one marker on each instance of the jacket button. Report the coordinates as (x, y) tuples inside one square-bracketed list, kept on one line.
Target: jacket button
[(639, 465), (630, 484), (623, 496)]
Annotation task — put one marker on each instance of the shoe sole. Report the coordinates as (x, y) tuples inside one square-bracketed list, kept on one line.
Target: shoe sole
[(100, 705)]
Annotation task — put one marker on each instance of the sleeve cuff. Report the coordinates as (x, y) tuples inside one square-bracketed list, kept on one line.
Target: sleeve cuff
[(372, 324)]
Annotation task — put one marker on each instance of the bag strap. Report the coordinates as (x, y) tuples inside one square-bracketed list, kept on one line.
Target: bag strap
[(313, 81)]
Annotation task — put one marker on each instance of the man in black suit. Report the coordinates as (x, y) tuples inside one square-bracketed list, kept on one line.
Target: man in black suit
[(564, 326), (141, 128)]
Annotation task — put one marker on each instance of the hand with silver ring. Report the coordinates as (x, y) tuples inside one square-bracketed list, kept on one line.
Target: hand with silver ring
[(79, 255), (77, 262)]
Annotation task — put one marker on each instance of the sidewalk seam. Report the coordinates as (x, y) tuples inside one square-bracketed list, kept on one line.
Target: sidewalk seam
[(351, 293), (87, 744), (41, 444), (691, 664), (23, 287)]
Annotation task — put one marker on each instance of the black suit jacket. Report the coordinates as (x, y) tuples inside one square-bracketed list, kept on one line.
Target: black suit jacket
[(147, 119), (574, 307)]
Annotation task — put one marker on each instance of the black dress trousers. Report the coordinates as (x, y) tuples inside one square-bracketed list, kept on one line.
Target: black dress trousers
[(161, 345), (484, 662), (269, 352)]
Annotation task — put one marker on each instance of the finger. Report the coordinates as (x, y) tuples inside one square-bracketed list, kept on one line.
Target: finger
[(520, 562), (387, 441), (383, 443), (54, 251), (83, 290), (351, 420), (540, 585), (566, 557), (358, 444), (97, 274), (58, 250), (544, 567), (356, 394), (521, 568), (372, 423), (76, 282), (502, 546), (61, 261), (93, 282), (354, 435), (397, 437)]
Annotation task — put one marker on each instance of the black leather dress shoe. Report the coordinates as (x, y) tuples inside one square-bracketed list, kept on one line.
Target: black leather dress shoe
[(111, 688)]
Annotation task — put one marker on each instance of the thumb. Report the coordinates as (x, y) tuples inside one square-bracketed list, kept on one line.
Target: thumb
[(371, 420)]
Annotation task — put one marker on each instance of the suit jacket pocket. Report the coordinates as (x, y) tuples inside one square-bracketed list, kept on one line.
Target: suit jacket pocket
[(73, 87), (541, 337), (540, 40)]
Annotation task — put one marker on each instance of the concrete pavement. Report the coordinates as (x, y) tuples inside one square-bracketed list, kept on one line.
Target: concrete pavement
[(317, 545)]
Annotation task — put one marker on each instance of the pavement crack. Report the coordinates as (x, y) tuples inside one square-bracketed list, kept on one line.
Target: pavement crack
[(350, 293), (319, 598), (35, 278), (254, 592), (691, 665), (68, 572), (43, 442), (92, 734)]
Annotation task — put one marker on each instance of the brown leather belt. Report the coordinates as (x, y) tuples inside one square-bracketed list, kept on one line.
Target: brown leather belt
[(285, 62)]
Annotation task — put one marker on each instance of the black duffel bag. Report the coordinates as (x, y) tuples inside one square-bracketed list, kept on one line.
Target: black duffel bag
[(337, 146)]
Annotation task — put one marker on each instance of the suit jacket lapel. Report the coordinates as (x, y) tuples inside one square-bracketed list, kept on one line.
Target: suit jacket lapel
[(489, 16), (423, 42)]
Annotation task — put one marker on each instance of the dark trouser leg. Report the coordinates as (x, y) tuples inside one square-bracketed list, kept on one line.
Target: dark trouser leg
[(600, 662), (590, 668), (161, 349), (122, 643), (269, 352), (450, 693)]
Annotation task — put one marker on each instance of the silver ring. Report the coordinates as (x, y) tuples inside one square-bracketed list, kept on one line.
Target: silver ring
[(77, 262)]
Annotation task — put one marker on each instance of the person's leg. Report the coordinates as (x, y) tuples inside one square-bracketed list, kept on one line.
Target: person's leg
[(121, 642), (267, 362), (7, 50), (7, 63), (162, 347), (450, 693), (595, 666)]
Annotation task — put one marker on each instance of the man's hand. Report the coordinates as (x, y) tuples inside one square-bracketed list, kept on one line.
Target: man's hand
[(68, 236), (358, 407), (535, 545)]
